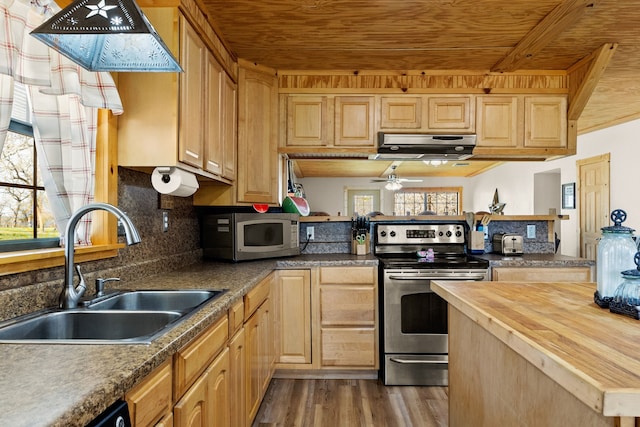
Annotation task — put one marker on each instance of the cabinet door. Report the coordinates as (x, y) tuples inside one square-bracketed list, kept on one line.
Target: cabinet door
[(151, 399), (308, 123), (545, 121), (229, 127), (354, 121), (194, 409), (455, 113), (257, 180), (497, 123), (237, 384), (253, 368), (191, 131), (348, 347), (548, 274), (400, 112), (213, 124), (293, 316), (219, 382)]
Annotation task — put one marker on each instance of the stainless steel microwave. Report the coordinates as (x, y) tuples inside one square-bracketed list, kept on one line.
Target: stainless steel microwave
[(249, 236)]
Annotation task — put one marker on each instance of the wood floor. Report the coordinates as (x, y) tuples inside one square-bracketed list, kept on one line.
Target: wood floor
[(349, 403)]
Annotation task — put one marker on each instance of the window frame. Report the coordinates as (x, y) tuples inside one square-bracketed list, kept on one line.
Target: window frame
[(104, 229), (433, 190), (349, 192)]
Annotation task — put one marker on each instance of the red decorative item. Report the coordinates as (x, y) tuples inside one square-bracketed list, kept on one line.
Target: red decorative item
[(260, 207)]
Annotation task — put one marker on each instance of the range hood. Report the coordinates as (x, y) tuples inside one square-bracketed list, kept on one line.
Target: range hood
[(412, 146)]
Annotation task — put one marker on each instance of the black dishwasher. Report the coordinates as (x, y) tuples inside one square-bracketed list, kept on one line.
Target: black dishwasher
[(116, 415)]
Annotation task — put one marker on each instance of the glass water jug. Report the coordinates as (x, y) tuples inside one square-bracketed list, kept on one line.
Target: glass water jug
[(616, 251), (626, 299)]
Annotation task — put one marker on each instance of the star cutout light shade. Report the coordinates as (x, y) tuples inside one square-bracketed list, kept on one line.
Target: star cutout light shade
[(107, 35)]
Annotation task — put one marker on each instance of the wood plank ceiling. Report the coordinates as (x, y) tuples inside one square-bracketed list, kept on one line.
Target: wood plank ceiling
[(497, 35)]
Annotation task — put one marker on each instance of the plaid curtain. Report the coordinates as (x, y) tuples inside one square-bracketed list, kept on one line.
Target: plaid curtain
[(64, 101)]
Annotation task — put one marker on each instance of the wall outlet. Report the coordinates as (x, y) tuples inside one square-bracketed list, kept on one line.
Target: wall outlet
[(165, 221), (311, 233), (531, 231)]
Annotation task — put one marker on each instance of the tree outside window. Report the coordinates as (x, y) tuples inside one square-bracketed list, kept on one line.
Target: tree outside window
[(426, 201), (25, 215)]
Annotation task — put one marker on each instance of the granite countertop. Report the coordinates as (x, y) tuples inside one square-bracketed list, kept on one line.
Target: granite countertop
[(70, 384), (536, 260)]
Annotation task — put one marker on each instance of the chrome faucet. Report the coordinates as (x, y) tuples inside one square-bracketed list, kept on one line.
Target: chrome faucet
[(70, 294)]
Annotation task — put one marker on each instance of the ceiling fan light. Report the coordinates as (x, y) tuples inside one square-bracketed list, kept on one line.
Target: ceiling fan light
[(101, 36), (393, 186)]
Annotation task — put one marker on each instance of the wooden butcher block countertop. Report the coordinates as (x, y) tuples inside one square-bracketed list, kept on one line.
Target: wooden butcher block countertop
[(592, 353)]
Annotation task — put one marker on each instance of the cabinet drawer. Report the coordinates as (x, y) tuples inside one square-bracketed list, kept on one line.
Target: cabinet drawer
[(347, 305), (352, 275), (192, 360), (151, 399), (348, 347), (542, 274), (236, 317), (256, 296)]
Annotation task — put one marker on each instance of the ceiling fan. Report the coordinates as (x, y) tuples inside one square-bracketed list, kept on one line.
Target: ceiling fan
[(393, 181)]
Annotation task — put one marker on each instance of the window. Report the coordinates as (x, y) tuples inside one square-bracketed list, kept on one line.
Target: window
[(438, 201), (362, 202), (26, 221)]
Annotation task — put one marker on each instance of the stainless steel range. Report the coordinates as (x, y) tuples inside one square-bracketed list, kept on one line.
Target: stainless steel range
[(414, 340)]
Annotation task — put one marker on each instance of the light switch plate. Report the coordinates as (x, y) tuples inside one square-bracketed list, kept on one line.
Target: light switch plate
[(531, 231)]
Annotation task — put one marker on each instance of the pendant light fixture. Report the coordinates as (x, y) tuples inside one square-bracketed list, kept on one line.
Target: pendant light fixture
[(107, 35)]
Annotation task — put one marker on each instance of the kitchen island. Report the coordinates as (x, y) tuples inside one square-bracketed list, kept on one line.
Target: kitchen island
[(543, 354)]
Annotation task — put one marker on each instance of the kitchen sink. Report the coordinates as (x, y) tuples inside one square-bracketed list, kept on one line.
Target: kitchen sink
[(77, 326), (172, 300), (128, 317)]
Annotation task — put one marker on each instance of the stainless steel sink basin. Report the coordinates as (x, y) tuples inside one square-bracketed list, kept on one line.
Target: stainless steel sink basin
[(173, 300), (77, 326), (130, 317)]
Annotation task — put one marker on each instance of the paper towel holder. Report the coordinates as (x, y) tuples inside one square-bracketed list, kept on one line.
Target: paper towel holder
[(165, 171)]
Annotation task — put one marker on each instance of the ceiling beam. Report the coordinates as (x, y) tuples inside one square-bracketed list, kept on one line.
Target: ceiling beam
[(599, 60), (558, 20)]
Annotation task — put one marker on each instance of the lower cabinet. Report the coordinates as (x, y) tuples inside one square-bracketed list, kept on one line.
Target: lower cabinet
[(541, 274), (259, 351), (327, 318)]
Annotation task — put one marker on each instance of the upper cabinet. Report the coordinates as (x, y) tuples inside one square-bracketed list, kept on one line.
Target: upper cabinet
[(521, 126), (257, 180), (183, 119), (350, 122)]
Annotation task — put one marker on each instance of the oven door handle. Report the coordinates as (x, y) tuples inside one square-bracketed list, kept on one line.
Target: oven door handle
[(418, 362), (435, 277)]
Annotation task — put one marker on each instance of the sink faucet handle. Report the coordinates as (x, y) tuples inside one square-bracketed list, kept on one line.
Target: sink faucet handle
[(82, 285), (100, 284)]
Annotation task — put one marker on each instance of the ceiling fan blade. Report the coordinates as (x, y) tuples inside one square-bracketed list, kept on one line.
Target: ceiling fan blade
[(409, 180)]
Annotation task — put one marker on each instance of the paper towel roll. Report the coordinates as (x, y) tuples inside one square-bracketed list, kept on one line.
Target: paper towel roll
[(174, 181)]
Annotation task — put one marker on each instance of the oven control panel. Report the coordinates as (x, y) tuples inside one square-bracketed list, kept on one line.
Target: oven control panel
[(398, 234)]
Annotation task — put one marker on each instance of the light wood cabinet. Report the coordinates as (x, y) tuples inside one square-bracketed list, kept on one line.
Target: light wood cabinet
[(355, 121), (257, 180), (150, 401), (229, 126), (207, 402), (400, 112), (541, 274), (348, 317), (521, 126), (259, 346), (545, 121), (237, 381), (450, 114), (293, 316), (179, 119), (497, 122), (308, 122)]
